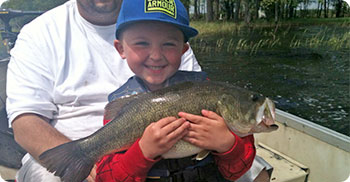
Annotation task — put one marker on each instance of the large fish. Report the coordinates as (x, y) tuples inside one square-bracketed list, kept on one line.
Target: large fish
[(244, 112)]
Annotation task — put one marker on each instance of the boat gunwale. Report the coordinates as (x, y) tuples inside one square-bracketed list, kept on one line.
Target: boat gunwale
[(322, 133)]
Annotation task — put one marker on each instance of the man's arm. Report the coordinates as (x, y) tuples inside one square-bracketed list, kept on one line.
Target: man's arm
[(35, 134)]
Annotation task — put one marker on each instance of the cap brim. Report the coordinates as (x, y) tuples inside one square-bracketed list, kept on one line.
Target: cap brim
[(187, 30)]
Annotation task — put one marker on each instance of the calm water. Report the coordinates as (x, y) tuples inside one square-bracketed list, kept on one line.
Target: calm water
[(310, 83)]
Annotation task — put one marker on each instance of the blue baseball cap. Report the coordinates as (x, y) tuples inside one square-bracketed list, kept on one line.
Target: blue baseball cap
[(168, 11)]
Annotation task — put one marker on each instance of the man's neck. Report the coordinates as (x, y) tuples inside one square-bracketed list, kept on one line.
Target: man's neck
[(97, 18)]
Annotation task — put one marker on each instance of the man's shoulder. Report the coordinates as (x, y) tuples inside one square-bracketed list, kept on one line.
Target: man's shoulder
[(52, 17)]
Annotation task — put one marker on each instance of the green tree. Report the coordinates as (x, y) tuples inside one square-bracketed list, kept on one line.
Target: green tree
[(25, 5), (237, 10), (210, 12), (34, 5)]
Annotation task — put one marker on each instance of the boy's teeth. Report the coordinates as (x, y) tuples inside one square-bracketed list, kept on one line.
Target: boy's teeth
[(155, 67)]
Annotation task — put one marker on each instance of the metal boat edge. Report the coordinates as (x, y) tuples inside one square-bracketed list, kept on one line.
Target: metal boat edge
[(320, 132)]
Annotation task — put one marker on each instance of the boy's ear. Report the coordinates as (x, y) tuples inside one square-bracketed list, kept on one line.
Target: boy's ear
[(185, 48), (119, 46)]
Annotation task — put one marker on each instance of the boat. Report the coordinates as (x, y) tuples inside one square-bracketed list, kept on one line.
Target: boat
[(299, 151)]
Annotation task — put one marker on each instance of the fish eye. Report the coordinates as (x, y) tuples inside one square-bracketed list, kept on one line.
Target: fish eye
[(254, 97)]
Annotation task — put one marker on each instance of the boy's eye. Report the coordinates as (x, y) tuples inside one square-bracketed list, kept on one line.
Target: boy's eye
[(169, 44), (142, 43)]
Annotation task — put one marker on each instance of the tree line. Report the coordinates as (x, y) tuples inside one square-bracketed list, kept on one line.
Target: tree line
[(235, 10), (32, 5), (277, 10)]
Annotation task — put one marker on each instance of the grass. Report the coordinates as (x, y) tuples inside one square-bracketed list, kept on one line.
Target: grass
[(316, 34)]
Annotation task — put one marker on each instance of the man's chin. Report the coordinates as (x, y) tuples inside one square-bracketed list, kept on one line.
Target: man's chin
[(105, 6)]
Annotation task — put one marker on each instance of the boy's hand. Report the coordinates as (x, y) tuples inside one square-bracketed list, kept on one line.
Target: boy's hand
[(160, 136), (208, 131)]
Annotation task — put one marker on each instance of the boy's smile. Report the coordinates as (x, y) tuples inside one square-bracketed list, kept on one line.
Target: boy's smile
[(153, 50)]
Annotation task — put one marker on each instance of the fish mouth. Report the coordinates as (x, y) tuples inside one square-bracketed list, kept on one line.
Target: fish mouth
[(266, 115), (264, 120)]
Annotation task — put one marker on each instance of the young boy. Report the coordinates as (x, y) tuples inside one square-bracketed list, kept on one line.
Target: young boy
[(152, 38)]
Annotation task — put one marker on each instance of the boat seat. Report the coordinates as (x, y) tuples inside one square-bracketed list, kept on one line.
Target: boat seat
[(285, 169)]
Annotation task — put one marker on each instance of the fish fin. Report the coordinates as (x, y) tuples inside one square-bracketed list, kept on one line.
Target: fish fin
[(68, 162), (114, 108)]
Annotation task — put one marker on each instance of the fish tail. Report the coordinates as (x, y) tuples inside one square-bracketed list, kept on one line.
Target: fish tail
[(68, 162)]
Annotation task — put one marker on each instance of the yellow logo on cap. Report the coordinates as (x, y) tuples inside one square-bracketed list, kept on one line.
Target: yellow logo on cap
[(162, 6)]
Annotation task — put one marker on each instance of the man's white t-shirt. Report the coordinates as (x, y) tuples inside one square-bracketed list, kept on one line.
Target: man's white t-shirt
[(63, 68)]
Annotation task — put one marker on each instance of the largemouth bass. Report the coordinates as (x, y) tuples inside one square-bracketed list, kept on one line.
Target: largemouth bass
[(244, 112)]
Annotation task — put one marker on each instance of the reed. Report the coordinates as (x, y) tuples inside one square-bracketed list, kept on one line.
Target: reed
[(234, 38)]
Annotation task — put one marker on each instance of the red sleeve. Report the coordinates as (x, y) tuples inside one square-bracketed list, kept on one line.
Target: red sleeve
[(235, 162), (131, 166)]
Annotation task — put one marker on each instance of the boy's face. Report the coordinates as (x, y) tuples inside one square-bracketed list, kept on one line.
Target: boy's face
[(153, 51)]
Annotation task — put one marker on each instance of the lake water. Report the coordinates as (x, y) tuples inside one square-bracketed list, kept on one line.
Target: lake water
[(312, 83)]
